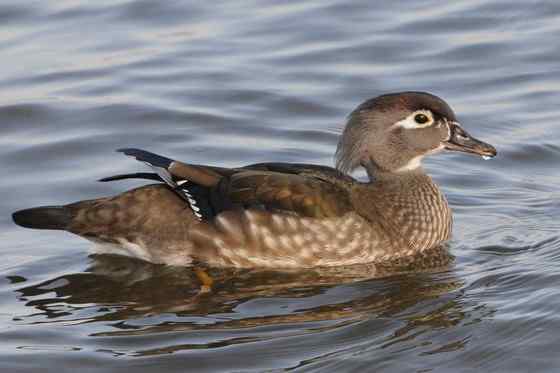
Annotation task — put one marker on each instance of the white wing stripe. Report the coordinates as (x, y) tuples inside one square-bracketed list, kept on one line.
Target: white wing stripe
[(168, 178)]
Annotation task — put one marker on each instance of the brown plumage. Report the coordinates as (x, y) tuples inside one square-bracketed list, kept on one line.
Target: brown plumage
[(286, 215)]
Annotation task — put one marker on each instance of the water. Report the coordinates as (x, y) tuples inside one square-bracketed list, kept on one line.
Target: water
[(228, 83)]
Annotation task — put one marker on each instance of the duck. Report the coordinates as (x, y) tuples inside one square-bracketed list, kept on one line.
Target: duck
[(286, 215)]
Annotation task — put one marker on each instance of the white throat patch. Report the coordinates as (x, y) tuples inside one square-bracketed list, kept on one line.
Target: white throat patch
[(416, 162), (412, 164)]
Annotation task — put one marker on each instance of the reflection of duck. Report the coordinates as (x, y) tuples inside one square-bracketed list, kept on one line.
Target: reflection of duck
[(287, 215), (125, 288), (135, 308)]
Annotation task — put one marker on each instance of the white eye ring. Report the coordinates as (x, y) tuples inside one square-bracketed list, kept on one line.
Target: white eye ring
[(411, 123)]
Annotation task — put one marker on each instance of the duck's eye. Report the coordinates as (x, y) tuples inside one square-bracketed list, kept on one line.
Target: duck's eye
[(421, 118)]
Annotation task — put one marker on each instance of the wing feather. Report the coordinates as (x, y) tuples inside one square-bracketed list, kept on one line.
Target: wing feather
[(302, 189)]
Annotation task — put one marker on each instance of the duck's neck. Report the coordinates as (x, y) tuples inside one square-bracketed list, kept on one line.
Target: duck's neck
[(410, 205), (376, 172)]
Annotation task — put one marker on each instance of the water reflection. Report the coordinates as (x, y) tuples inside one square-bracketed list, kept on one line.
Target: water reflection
[(127, 297)]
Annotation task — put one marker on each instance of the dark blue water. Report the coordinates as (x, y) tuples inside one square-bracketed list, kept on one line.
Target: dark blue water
[(230, 83)]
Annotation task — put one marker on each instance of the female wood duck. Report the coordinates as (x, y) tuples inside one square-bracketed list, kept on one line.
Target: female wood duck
[(283, 215)]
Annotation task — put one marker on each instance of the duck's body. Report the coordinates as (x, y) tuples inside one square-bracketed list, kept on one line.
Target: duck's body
[(309, 221), (279, 215)]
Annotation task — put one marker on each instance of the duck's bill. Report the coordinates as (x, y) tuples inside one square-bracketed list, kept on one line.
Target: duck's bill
[(460, 141)]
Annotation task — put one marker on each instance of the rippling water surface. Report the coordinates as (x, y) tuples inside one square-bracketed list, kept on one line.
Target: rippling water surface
[(230, 83)]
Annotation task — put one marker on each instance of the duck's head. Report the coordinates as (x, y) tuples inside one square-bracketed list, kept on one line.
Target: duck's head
[(393, 132)]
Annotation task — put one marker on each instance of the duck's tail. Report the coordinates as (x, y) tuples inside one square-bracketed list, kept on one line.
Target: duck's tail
[(45, 217)]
